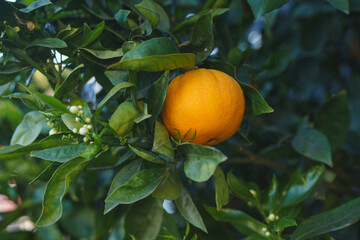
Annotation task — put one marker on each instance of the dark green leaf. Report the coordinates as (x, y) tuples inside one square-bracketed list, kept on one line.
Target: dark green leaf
[(156, 97), (109, 95), (48, 100), (342, 5), (12, 34), (56, 188), (122, 177), (335, 219), (300, 186), (273, 194), (313, 144), (162, 142), (148, 156), (105, 54), (221, 189), (142, 115), (91, 35), (27, 99), (284, 223), (188, 209), (239, 188), (333, 119), (154, 55), (19, 149), (148, 9), (200, 161), (141, 185), (46, 173), (29, 129), (240, 220), (144, 219), (169, 189), (191, 20), (48, 43), (121, 17), (255, 104), (61, 153), (202, 39), (35, 5), (117, 77), (69, 83), (260, 7)]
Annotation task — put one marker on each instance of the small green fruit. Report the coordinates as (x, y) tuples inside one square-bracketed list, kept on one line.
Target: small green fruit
[(122, 119)]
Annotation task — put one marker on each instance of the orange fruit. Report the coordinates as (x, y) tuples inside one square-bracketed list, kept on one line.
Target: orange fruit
[(206, 100)]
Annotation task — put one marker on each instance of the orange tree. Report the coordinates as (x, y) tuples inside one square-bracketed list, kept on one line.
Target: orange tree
[(87, 155)]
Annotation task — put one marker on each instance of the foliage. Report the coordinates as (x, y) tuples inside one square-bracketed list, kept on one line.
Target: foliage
[(87, 157)]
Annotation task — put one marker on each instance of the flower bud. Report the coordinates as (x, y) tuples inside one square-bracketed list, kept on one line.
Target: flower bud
[(89, 127), (75, 130), (85, 139), (272, 217), (80, 107), (87, 120), (267, 234), (77, 119), (53, 131), (83, 131), (81, 112), (74, 109)]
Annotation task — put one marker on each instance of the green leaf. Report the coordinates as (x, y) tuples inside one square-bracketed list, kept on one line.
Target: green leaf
[(148, 9), (29, 129), (148, 156), (260, 7), (241, 221), (273, 194), (60, 153), (255, 104), (300, 186), (27, 99), (144, 219), (70, 122), (109, 95), (239, 188), (46, 173), (48, 100), (35, 5), (69, 83), (156, 96), (200, 161), (202, 39), (283, 223), (141, 185), (19, 149), (105, 54), (162, 142), (342, 5), (142, 115), (122, 177), (191, 20), (56, 188), (121, 17), (91, 35), (154, 55), (12, 34), (313, 144), (333, 119), (48, 43), (221, 189), (117, 77), (188, 209), (335, 219), (169, 189)]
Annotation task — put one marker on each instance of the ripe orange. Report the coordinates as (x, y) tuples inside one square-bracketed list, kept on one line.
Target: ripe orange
[(206, 100)]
